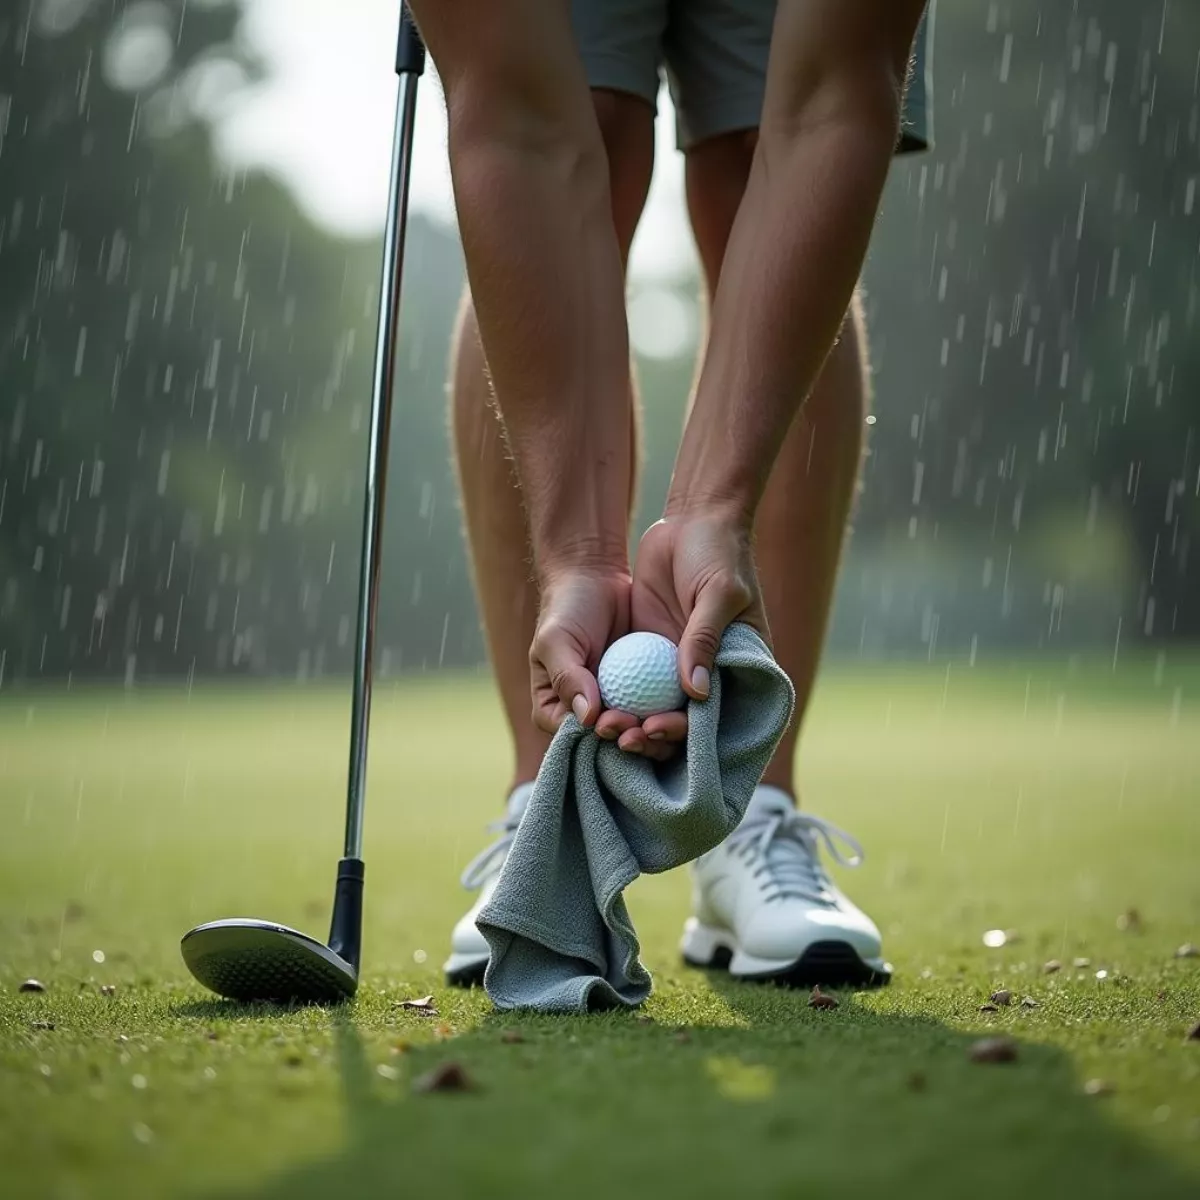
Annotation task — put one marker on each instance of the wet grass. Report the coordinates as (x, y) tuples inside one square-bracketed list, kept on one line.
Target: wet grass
[(1041, 799)]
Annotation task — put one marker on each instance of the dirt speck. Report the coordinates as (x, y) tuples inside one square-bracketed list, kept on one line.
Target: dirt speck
[(988, 1008), (917, 1082), (445, 1077), (422, 1004), (1002, 997), (43, 1025), (1130, 921), (994, 1050), (820, 999)]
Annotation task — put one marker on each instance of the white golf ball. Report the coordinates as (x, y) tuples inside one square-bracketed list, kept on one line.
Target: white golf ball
[(639, 674)]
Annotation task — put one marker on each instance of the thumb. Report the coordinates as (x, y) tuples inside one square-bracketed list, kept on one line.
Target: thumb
[(701, 640)]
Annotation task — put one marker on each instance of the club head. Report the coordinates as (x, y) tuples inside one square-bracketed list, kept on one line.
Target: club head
[(246, 959)]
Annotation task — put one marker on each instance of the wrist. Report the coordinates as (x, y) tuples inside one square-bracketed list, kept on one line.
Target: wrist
[(595, 554), (731, 505)]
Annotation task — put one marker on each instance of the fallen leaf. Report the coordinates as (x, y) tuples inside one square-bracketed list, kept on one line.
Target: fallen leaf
[(916, 1081), (820, 999), (994, 1050), (1050, 967), (1097, 1087), (1029, 1002), (386, 1072), (1187, 950), (32, 985), (1082, 963), (512, 1037), (41, 1024), (1194, 1033), (445, 1077), (1003, 997), (988, 1008), (423, 1005)]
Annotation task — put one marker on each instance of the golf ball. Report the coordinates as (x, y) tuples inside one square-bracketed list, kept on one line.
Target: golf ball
[(639, 674)]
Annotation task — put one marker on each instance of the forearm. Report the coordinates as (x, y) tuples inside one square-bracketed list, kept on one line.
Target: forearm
[(793, 260), (546, 281)]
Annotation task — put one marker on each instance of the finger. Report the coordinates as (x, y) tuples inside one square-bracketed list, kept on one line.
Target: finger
[(663, 751), (633, 741), (557, 664), (666, 727), (716, 606), (612, 723)]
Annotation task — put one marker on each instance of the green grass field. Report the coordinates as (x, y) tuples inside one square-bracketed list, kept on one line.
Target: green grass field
[(1044, 799)]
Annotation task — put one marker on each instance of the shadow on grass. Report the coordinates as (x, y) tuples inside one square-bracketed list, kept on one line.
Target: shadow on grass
[(786, 1101)]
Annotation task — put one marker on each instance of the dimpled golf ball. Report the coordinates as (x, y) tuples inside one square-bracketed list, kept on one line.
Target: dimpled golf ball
[(639, 674)]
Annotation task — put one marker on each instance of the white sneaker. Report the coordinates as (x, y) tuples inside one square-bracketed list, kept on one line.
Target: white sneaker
[(468, 949), (765, 908)]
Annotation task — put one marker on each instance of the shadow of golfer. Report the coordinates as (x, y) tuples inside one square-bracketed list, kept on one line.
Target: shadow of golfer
[(785, 1101)]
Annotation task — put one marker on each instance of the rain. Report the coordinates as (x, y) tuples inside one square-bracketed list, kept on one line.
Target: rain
[(192, 203)]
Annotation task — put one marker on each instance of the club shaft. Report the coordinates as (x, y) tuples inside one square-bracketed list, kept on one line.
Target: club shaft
[(377, 457)]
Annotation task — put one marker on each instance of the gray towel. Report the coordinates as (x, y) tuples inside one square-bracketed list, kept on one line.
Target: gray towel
[(559, 931)]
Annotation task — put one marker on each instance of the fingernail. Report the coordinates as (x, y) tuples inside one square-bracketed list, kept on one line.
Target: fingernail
[(579, 706), (700, 680), (657, 737)]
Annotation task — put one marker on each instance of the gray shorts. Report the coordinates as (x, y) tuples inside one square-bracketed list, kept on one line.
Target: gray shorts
[(714, 56)]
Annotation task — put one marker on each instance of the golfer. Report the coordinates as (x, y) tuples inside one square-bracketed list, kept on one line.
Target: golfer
[(789, 112)]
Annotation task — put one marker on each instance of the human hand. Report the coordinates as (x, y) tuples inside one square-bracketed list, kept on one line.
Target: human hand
[(694, 575), (582, 611)]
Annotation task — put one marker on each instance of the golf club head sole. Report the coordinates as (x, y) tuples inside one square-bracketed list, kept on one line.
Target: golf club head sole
[(246, 959)]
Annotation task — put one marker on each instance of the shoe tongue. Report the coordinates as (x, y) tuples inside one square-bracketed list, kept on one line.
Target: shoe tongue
[(768, 802), (518, 801)]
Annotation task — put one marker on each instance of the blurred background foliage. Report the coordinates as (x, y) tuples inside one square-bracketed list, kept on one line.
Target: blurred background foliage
[(185, 363)]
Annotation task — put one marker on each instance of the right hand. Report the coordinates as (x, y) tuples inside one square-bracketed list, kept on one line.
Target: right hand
[(583, 610)]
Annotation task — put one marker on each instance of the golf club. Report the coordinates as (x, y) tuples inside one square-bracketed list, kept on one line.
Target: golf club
[(243, 958)]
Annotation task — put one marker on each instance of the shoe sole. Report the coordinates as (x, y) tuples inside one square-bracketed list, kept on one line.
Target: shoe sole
[(832, 963), (465, 970)]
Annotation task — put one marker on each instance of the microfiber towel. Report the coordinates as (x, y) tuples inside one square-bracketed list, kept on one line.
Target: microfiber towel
[(559, 931)]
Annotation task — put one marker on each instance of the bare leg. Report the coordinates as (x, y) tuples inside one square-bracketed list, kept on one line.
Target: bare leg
[(493, 514), (801, 522)]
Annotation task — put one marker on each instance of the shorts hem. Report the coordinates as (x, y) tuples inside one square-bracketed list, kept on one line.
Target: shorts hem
[(613, 73)]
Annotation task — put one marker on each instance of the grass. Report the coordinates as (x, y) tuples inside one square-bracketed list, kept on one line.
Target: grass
[(1044, 799)]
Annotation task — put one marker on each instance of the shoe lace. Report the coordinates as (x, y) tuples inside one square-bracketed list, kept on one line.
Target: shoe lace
[(491, 859), (787, 846)]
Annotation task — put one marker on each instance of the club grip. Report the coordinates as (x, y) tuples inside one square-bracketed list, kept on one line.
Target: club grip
[(410, 50)]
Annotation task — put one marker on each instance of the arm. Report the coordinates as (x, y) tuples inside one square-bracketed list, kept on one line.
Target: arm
[(829, 129), (530, 179)]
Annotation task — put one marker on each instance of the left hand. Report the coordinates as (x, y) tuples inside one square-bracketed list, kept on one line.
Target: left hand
[(693, 576)]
